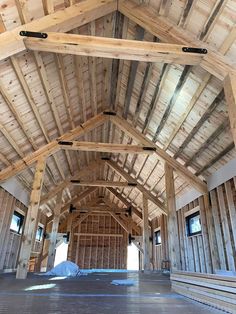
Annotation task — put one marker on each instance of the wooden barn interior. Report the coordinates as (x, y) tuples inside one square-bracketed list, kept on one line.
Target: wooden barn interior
[(118, 129)]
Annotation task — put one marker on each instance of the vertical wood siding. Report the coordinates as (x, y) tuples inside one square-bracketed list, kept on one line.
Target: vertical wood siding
[(215, 248)]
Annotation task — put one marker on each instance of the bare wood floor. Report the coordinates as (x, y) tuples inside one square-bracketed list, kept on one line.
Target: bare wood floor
[(94, 294)]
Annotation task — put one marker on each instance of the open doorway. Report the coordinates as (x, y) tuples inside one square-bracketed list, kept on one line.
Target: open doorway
[(132, 257), (61, 253)]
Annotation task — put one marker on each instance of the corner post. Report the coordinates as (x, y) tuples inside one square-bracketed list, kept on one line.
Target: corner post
[(173, 237)]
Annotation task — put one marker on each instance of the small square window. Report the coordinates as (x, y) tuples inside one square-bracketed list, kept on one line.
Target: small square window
[(193, 224), (39, 233), (158, 237), (17, 222)]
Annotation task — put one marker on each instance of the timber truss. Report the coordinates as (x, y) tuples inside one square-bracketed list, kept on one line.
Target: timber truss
[(181, 50), (50, 34)]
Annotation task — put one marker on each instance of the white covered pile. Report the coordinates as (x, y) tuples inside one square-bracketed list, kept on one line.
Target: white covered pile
[(65, 269)]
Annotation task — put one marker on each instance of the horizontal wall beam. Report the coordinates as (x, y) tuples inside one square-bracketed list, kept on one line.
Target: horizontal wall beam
[(115, 48)]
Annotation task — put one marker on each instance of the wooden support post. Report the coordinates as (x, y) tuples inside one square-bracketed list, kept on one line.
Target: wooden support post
[(70, 232), (230, 96), (53, 238), (174, 250), (31, 219), (146, 246)]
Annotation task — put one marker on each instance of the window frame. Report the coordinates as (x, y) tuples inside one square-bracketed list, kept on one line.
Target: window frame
[(187, 223), (42, 228), (22, 218), (157, 230)]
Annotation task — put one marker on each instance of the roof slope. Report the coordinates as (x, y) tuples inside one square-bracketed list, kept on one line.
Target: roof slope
[(180, 108)]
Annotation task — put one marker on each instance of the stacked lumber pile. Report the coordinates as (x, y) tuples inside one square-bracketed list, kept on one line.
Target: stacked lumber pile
[(214, 290)]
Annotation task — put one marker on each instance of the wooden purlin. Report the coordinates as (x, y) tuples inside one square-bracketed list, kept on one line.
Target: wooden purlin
[(213, 62), (51, 147), (63, 21), (180, 169)]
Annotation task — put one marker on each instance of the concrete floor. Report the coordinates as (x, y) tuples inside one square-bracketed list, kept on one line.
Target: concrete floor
[(94, 294)]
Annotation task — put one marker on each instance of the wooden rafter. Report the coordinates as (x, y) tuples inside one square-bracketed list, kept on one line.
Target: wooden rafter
[(92, 167), (92, 70), (230, 94), (74, 201), (51, 147), (213, 62), (119, 20), (217, 101), (49, 9), (79, 14), (23, 16), (132, 74), (126, 176), (125, 202), (113, 48), (181, 170)]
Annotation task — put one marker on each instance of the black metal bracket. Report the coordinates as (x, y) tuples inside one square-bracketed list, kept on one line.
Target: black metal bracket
[(195, 50), (75, 181), (65, 143), (105, 158), (131, 238), (72, 208), (149, 148), (129, 211), (34, 34), (109, 113), (68, 237)]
